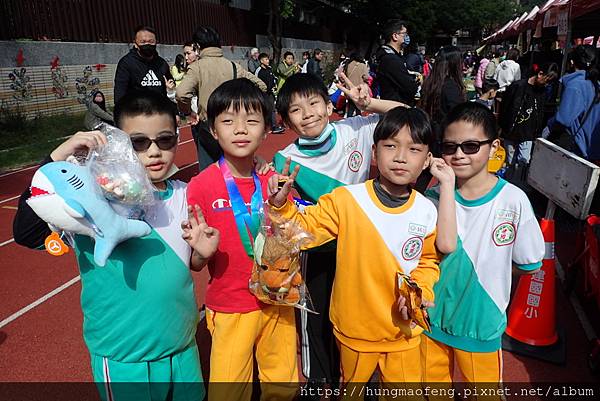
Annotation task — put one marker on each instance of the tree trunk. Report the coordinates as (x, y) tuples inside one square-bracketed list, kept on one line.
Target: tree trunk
[(274, 30)]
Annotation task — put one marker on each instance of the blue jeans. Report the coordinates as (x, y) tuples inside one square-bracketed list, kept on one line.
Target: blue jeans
[(518, 156)]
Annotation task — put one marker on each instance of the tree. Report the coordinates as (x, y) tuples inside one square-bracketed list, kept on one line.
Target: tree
[(278, 10), (428, 17)]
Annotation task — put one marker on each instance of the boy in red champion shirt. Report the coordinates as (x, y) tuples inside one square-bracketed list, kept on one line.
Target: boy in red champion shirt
[(231, 196)]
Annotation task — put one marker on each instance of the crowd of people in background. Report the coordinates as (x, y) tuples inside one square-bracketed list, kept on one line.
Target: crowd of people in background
[(517, 87)]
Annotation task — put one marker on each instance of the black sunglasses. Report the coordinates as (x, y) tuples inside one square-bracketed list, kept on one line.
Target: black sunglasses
[(468, 147), (164, 142)]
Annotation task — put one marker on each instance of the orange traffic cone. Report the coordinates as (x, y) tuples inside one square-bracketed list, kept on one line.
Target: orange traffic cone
[(532, 313)]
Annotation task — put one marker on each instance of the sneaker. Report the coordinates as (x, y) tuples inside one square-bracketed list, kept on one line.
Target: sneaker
[(278, 129)]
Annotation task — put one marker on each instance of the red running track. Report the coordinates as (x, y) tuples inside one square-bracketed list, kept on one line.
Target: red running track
[(45, 343)]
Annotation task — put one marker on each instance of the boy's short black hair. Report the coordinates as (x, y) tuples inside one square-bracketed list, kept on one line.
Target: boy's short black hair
[(399, 117), (304, 85), (144, 102), (489, 84), (476, 114), (288, 54), (237, 93), (317, 51), (263, 55)]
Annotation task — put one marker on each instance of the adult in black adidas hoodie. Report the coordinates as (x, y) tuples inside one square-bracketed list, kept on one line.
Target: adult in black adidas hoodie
[(142, 68)]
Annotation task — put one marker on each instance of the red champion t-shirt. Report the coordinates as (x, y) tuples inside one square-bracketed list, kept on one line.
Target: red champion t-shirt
[(230, 267)]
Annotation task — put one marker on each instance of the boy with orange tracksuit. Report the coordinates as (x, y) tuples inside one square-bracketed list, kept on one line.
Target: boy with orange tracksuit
[(383, 227)]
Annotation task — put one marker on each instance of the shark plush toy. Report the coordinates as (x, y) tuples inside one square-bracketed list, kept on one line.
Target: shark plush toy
[(66, 197)]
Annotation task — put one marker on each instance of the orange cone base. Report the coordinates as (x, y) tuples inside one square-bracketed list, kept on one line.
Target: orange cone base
[(532, 314), (555, 353)]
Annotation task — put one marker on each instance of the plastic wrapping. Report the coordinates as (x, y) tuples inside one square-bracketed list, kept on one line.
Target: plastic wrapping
[(120, 174), (276, 275)]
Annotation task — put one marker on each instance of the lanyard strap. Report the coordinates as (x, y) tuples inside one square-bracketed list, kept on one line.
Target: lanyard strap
[(244, 220)]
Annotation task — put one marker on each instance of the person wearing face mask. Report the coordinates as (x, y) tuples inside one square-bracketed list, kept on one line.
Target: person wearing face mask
[(395, 82), (142, 68)]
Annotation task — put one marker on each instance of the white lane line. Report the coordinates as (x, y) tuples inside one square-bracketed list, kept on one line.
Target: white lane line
[(10, 199), (39, 301), (18, 171), (188, 165), (7, 242)]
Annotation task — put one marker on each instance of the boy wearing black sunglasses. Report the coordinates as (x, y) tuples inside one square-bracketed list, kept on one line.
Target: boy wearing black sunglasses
[(140, 311), (492, 228)]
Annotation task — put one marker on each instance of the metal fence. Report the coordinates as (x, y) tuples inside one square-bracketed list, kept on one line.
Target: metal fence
[(114, 20)]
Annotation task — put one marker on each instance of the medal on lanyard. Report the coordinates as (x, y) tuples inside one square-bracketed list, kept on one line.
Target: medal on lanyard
[(244, 220)]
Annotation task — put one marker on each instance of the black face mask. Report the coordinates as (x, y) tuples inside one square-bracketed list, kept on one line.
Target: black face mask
[(147, 50)]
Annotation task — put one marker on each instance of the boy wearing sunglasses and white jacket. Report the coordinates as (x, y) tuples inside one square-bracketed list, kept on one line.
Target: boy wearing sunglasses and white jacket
[(485, 226), (140, 312)]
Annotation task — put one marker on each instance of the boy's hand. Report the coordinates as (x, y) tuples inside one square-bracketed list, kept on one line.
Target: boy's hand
[(81, 142), (403, 309), (280, 185), (261, 166), (203, 239), (358, 94), (443, 172)]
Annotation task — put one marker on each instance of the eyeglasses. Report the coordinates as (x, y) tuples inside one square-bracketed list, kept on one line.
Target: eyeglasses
[(164, 142), (468, 147)]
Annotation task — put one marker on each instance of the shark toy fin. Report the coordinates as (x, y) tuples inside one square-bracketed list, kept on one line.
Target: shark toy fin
[(105, 245), (74, 208), (137, 228)]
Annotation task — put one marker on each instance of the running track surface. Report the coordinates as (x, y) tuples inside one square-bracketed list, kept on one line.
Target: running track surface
[(45, 344)]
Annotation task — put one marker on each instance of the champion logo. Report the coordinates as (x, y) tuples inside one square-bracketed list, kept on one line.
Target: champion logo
[(151, 79), (221, 204)]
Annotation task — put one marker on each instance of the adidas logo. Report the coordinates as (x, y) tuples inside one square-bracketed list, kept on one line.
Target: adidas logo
[(151, 80)]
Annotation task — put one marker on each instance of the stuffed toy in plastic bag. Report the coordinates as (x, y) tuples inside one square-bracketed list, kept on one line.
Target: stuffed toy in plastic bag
[(276, 277), (71, 198)]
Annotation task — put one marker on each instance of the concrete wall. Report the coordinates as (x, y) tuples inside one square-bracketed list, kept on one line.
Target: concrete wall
[(42, 78), (75, 53)]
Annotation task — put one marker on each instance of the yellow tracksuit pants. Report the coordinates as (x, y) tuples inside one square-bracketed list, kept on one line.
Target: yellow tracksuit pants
[(270, 333)]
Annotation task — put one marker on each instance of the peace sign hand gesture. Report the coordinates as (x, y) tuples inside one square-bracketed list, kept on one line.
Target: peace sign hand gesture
[(203, 239), (280, 185), (358, 94)]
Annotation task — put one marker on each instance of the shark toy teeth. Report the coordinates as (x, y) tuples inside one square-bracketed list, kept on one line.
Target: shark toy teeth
[(66, 197)]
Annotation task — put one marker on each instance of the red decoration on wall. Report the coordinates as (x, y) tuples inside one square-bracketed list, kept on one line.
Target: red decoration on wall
[(54, 63), (100, 67), (20, 59)]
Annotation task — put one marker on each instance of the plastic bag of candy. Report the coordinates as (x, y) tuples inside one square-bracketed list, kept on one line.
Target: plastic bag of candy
[(276, 275), (120, 174)]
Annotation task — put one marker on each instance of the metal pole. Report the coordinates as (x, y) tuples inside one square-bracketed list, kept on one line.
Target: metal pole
[(563, 67), (550, 210)]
